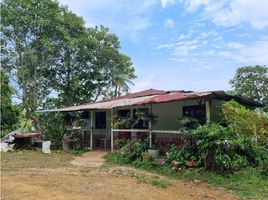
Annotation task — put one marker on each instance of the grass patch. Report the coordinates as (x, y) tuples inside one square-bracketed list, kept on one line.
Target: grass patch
[(248, 183), (143, 178), (19, 160), (78, 152), (159, 182)]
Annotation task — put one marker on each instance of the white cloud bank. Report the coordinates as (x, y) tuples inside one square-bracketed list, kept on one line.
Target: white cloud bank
[(231, 13), (126, 18)]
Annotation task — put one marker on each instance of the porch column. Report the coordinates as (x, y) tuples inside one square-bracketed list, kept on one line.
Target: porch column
[(208, 111), (91, 130), (150, 134), (112, 133)]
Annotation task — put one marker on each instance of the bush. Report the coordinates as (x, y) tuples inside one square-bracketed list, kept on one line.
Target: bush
[(52, 124), (222, 149), (133, 150), (119, 143), (246, 122)]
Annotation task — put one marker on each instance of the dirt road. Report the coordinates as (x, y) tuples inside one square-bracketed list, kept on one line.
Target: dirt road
[(90, 178)]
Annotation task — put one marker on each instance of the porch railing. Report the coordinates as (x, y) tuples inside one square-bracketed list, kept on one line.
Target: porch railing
[(162, 138)]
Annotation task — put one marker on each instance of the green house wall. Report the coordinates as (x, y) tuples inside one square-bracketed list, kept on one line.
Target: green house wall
[(168, 114)]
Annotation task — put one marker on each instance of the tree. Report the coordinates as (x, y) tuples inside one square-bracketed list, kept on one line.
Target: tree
[(91, 60), (28, 30), (49, 52), (9, 112), (251, 82), (122, 79)]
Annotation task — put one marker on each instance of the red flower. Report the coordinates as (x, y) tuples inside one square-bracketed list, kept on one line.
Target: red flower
[(191, 163)]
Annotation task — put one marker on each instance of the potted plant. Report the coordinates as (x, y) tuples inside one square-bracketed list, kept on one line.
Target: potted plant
[(65, 141), (71, 138), (154, 150)]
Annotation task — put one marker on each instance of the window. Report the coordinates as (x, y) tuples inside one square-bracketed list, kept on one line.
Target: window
[(198, 112), (100, 120)]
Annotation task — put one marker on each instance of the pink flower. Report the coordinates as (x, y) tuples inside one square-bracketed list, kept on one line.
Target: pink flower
[(191, 163)]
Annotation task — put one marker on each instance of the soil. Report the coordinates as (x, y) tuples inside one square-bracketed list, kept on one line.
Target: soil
[(90, 178)]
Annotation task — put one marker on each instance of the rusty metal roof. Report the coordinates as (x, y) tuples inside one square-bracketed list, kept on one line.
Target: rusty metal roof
[(140, 98), (153, 96)]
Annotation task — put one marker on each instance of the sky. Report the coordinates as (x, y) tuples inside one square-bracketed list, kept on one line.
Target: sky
[(183, 44)]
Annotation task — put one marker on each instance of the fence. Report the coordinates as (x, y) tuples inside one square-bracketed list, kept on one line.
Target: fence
[(161, 139)]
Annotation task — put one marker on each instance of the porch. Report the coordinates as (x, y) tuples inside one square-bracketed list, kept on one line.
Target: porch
[(102, 130)]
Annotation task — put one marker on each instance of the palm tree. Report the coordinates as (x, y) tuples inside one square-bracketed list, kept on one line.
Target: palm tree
[(121, 83)]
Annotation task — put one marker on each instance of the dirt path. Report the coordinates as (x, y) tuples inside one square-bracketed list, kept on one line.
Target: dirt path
[(90, 179), (90, 159)]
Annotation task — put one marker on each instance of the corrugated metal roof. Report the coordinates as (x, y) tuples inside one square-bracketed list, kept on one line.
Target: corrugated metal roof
[(135, 99), (152, 96)]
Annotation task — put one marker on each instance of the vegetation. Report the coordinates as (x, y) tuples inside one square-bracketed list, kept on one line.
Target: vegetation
[(9, 112), (246, 122), (48, 50), (251, 82), (55, 60), (224, 155)]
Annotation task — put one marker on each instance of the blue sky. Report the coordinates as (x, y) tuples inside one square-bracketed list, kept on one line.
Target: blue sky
[(183, 44)]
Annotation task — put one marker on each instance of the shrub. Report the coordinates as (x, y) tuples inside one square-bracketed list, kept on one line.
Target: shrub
[(119, 143), (52, 124), (134, 149), (246, 122), (176, 159), (222, 149)]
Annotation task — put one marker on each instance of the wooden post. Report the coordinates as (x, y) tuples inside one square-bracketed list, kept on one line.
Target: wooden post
[(208, 111), (91, 130), (150, 134), (112, 133)]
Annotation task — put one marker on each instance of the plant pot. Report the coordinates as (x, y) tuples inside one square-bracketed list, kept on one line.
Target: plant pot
[(65, 146), (154, 153)]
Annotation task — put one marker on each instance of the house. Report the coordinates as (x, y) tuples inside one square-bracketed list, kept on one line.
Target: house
[(102, 117)]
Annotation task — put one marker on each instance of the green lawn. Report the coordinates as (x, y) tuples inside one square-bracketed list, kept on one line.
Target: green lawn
[(248, 183)]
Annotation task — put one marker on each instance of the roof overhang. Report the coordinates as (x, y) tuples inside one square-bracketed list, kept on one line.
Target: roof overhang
[(157, 98)]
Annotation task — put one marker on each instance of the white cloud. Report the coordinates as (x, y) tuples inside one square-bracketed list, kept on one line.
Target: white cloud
[(169, 23), (126, 18), (231, 13), (144, 84), (255, 53), (183, 48), (193, 5), (166, 3), (250, 54)]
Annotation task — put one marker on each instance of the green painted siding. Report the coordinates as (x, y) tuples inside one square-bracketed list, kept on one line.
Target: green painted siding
[(169, 113)]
